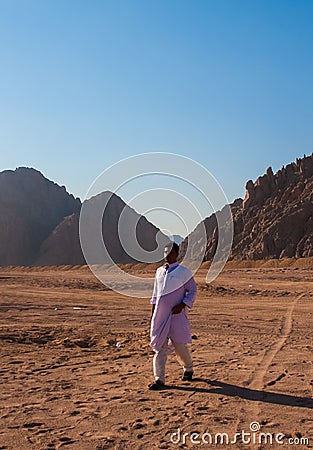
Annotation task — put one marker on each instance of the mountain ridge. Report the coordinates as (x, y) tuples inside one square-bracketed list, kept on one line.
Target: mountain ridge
[(274, 220), (39, 221)]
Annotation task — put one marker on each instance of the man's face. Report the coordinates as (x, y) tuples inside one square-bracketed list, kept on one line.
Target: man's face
[(170, 255)]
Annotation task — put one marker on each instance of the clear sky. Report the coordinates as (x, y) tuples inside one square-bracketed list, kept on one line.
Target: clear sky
[(84, 84)]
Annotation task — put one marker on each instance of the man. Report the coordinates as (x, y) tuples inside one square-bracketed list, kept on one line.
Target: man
[(173, 294)]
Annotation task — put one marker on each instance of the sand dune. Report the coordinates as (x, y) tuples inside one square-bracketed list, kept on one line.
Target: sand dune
[(66, 383)]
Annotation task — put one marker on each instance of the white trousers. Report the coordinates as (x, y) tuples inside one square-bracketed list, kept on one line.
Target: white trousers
[(160, 357)]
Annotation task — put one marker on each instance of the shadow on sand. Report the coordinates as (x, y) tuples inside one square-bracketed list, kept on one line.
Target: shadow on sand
[(231, 390)]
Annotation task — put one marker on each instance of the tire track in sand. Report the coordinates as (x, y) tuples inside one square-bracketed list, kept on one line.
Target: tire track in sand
[(256, 380)]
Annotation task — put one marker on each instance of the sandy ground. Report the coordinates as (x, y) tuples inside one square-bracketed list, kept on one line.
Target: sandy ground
[(65, 382)]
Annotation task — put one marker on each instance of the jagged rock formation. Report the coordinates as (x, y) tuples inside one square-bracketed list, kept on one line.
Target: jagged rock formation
[(275, 219), (31, 206)]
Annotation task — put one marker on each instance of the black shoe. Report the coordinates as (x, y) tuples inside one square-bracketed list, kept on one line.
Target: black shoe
[(187, 376), (156, 385)]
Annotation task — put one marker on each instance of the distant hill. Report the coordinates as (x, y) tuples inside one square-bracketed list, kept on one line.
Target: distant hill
[(274, 220), (63, 244), (31, 206), (176, 238)]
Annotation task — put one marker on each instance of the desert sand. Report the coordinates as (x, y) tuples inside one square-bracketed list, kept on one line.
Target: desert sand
[(76, 361)]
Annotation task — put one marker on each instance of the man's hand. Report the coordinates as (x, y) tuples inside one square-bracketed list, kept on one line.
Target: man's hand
[(178, 308)]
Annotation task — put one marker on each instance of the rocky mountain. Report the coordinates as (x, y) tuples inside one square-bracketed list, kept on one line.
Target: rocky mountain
[(63, 245), (39, 223), (31, 206), (274, 220), (39, 220)]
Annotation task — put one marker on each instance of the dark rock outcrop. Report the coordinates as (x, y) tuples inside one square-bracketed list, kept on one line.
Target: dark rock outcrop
[(31, 206)]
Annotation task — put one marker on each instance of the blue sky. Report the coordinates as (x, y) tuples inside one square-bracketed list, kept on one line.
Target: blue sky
[(85, 84)]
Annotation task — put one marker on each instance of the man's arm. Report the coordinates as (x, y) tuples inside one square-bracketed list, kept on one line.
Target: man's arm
[(191, 292), (190, 295), (154, 297)]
